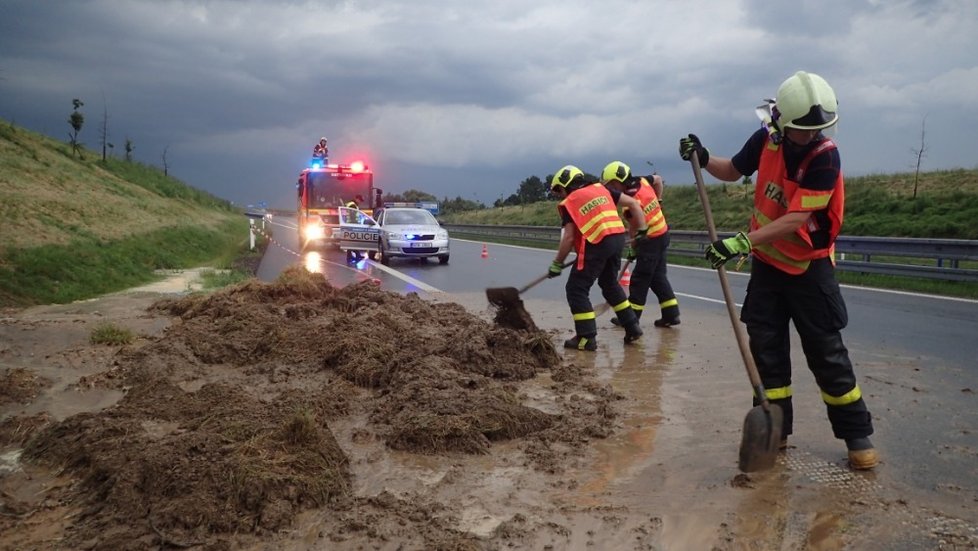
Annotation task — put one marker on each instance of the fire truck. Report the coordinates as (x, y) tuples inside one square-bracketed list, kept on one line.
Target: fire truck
[(324, 190)]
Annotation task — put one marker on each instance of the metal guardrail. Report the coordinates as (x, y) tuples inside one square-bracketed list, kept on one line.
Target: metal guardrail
[(853, 254)]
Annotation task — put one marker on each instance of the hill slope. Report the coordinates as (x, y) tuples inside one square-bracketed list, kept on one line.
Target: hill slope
[(76, 228)]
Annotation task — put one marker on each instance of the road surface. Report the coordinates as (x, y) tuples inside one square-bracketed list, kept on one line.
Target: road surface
[(915, 358)]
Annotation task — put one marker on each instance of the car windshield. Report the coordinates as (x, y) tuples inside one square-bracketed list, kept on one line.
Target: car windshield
[(328, 189), (404, 217)]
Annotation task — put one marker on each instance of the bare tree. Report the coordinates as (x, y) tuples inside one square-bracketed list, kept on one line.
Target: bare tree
[(104, 133), (129, 148), (166, 167), (919, 153), (76, 120)]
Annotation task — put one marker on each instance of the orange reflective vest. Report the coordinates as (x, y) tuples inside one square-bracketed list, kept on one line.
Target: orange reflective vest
[(777, 194), (651, 209), (594, 213)]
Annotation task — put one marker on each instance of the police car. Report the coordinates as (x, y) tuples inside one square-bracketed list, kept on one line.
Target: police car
[(411, 232)]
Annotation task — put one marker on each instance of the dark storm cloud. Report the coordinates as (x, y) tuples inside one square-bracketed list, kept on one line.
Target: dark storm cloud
[(469, 100)]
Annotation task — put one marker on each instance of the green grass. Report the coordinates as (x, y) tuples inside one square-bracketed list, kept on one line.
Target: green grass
[(108, 333), (87, 267), (153, 180)]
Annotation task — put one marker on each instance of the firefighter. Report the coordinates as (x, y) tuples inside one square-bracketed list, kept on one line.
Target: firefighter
[(798, 211), (356, 218), (320, 150), (650, 259), (591, 226)]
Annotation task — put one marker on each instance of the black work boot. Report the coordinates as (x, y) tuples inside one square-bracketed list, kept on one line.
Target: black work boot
[(666, 322), (670, 317), (617, 322), (632, 332), (589, 344)]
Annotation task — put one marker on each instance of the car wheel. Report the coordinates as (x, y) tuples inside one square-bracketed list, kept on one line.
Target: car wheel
[(443, 259), (385, 258), (372, 255)]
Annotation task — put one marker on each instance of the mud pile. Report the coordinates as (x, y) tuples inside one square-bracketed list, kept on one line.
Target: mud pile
[(225, 425)]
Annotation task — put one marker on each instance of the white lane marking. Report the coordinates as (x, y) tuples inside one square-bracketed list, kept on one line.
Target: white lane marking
[(404, 277), (707, 299)]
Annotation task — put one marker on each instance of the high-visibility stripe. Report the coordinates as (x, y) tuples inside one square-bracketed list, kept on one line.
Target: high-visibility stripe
[(584, 316), (815, 202), (636, 306), (621, 306), (657, 227), (853, 395), (599, 219), (778, 393), (598, 230), (582, 344), (668, 303)]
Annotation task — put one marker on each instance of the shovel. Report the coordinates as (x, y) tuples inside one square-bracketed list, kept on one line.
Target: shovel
[(510, 311), (505, 296), (762, 426)]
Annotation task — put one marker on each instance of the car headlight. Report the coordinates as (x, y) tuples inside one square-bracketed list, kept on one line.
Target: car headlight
[(315, 232), (442, 235)]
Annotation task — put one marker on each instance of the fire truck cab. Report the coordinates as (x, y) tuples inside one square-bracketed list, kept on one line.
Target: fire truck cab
[(323, 191)]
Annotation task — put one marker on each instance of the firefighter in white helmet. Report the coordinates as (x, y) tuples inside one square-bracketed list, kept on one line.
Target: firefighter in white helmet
[(798, 209)]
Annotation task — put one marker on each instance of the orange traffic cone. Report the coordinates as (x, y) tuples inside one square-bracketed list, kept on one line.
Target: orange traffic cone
[(626, 278), (485, 251)]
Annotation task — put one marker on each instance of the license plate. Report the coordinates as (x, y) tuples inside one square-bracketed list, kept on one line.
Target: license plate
[(419, 244)]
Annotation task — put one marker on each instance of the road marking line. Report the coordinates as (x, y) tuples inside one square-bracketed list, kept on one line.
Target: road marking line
[(404, 277)]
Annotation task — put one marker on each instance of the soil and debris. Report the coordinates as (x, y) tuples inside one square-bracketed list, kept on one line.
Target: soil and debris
[(224, 428)]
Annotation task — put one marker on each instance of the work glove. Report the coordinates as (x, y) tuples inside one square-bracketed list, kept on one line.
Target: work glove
[(641, 236), (722, 250), (690, 144), (555, 269), (630, 253)]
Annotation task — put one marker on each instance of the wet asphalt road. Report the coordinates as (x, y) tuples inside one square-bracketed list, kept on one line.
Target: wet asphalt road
[(916, 358)]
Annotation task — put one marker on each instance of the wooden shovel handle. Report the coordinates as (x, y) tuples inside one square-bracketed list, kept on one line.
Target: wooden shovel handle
[(536, 281), (742, 343)]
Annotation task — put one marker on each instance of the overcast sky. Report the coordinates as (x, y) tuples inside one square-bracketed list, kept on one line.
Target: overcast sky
[(469, 98)]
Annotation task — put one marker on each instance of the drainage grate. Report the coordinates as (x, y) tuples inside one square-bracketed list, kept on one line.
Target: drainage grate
[(830, 474)]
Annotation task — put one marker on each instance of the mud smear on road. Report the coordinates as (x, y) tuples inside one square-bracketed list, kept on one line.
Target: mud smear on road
[(224, 431)]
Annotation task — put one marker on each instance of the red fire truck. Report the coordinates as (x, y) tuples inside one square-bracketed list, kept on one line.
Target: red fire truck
[(322, 192)]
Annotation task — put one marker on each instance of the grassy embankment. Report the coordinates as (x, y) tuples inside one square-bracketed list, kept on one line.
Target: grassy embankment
[(881, 205), (74, 229)]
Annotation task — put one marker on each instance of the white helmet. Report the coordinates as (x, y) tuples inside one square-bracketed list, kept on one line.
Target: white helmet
[(806, 102)]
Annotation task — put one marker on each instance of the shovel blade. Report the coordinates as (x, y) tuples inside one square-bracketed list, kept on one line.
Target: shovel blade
[(503, 297), (761, 438)]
